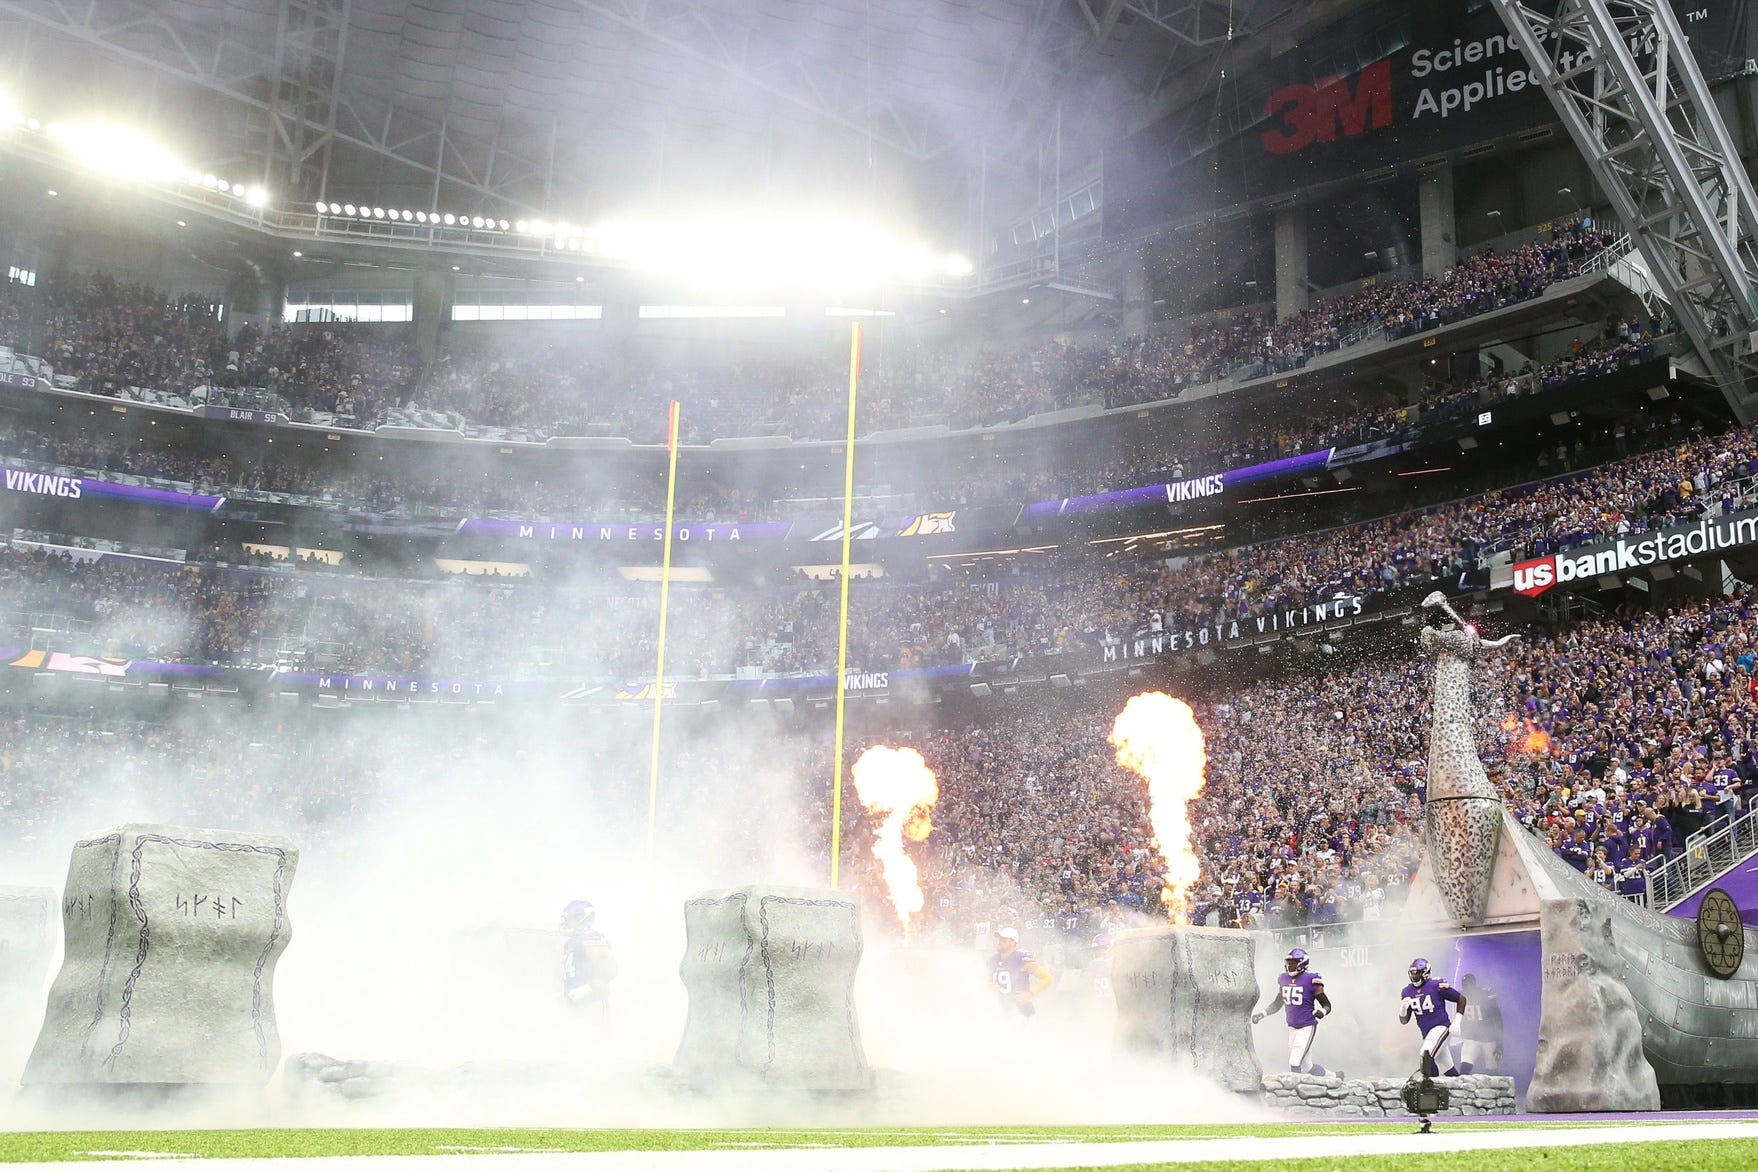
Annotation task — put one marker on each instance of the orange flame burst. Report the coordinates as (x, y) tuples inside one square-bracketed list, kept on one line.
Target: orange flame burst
[(1157, 737), (897, 787), (1536, 739)]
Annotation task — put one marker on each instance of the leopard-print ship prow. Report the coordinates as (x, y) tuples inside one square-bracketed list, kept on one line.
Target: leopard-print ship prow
[(1462, 823)]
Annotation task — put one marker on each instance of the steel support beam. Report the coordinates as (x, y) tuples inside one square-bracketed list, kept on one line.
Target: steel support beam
[(305, 91), (836, 95), (311, 113), (1627, 87)]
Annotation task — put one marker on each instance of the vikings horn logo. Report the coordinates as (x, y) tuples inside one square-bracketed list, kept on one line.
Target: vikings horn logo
[(930, 523)]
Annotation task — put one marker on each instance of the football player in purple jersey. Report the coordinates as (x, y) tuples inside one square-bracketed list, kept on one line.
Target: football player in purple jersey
[(1016, 974), (1099, 967), (1301, 994), (1425, 999)]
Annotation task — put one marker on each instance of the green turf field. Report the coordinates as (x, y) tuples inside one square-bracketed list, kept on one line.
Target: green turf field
[(1692, 1156), (37, 1146)]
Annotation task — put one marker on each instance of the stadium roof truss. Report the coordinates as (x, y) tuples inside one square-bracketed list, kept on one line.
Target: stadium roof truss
[(1184, 25), (472, 95), (1629, 91), (528, 108), (283, 62)]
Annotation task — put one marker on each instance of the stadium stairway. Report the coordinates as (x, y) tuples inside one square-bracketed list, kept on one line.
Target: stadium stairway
[(1720, 856)]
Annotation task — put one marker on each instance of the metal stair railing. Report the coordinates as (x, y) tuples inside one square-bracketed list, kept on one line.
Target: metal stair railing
[(1707, 854)]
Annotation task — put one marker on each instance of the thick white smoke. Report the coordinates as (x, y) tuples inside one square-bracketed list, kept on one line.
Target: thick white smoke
[(435, 863)]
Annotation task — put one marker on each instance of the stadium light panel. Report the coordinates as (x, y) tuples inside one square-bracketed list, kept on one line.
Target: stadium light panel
[(349, 208), (322, 208), (710, 311), (450, 219), (421, 217), (256, 197), (238, 190), (733, 252), (116, 150)]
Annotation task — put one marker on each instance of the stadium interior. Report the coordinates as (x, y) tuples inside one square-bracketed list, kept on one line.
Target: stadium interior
[(1197, 345)]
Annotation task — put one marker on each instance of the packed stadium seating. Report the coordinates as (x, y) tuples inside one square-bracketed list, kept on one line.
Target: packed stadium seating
[(104, 337), (289, 478), (1309, 814), (491, 627), (1313, 801)]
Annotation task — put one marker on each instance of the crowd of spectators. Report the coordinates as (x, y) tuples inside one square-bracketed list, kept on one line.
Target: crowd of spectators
[(1614, 739), (104, 336), (226, 607), (590, 491)]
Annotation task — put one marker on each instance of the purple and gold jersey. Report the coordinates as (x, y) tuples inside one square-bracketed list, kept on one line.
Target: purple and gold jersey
[(1009, 972), (586, 960), (1298, 993), (1429, 1002)]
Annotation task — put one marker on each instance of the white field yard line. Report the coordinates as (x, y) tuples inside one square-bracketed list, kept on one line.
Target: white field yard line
[(985, 1158)]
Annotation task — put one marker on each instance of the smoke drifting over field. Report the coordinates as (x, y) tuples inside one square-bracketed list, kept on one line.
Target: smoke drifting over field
[(424, 938)]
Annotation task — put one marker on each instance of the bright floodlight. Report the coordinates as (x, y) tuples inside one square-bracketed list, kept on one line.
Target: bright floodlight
[(322, 208), (116, 150), (826, 252), (10, 114), (256, 197)]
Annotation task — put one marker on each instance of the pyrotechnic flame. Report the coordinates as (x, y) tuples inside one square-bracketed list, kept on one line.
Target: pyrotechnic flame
[(1157, 737), (1536, 739), (897, 787)]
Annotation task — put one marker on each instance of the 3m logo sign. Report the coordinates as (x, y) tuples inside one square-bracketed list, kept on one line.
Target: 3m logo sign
[(1534, 578), (1312, 114)]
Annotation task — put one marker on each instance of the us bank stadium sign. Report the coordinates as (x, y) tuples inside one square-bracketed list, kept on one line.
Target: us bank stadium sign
[(1636, 552), (1246, 630)]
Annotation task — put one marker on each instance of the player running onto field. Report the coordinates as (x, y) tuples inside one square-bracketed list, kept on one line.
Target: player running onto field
[(1480, 1028), (1425, 998), (1301, 994), (1017, 975)]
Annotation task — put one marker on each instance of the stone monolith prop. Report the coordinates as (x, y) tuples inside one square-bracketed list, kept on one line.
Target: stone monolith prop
[(167, 978), (770, 973), (1589, 1035), (1187, 994)]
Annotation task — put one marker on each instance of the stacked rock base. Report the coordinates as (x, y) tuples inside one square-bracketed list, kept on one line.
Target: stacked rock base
[(1309, 1096)]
